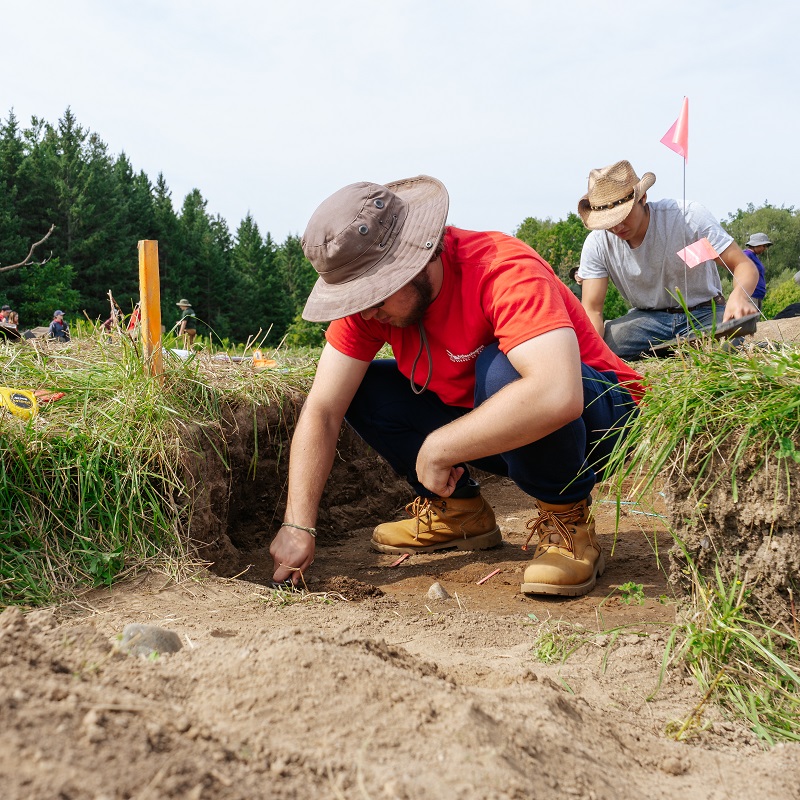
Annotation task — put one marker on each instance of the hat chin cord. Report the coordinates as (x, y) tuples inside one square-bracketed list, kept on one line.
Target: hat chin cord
[(423, 341)]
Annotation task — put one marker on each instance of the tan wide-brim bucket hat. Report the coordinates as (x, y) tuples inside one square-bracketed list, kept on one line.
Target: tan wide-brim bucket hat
[(613, 192), (368, 240)]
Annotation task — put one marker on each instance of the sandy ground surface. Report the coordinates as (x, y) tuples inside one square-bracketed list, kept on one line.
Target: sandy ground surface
[(367, 688)]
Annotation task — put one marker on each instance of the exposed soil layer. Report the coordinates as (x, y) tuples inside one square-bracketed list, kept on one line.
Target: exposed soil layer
[(752, 533), (754, 538), (237, 476)]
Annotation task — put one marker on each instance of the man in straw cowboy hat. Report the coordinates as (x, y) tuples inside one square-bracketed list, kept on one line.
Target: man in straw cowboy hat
[(756, 245), (496, 364), (635, 243)]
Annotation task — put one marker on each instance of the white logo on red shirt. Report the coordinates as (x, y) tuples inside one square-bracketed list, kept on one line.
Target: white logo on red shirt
[(459, 359)]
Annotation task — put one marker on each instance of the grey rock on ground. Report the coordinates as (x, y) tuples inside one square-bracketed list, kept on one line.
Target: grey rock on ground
[(147, 640), (438, 592)]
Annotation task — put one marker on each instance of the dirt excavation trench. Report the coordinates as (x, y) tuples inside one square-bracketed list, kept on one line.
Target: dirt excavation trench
[(366, 687)]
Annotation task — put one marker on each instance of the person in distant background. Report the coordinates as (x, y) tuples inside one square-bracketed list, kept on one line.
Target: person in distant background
[(756, 245), (577, 281), (58, 328), (8, 316), (187, 325)]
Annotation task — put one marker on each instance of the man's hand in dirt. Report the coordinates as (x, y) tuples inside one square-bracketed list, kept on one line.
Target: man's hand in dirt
[(292, 552)]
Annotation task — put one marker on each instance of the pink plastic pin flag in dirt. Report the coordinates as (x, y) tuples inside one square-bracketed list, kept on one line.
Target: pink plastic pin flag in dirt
[(677, 137), (486, 578), (698, 253)]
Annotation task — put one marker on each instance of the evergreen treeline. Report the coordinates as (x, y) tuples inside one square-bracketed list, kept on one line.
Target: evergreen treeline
[(238, 283), (101, 207)]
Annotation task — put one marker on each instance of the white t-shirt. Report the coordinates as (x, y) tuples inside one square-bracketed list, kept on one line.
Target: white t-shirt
[(650, 275)]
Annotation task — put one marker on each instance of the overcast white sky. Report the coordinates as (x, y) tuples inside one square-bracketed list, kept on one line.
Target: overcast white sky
[(271, 106)]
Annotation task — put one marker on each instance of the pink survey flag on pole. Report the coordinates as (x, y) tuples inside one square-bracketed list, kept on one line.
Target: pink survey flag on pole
[(698, 253), (677, 137)]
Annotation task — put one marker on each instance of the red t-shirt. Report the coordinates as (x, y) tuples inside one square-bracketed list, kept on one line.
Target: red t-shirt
[(495, 289)]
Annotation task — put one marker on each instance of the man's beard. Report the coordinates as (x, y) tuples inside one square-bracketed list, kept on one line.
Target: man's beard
[(424, 289)]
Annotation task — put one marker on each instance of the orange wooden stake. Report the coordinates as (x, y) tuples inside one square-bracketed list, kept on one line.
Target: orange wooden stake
[(490, 575), (150, 305)]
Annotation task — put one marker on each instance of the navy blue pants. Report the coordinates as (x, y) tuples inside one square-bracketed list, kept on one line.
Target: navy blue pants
[(559, 468)]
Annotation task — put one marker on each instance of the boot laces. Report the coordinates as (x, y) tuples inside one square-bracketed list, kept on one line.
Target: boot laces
[(419, 508), (548, 520)]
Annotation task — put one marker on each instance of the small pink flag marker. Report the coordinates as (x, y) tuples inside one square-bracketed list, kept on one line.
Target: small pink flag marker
[(698, 253), (400, 560), (677, 137)]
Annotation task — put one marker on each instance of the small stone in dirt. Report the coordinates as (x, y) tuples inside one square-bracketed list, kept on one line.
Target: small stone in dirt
[(673, 766), (148, 640), (181, 724), (438, 592)]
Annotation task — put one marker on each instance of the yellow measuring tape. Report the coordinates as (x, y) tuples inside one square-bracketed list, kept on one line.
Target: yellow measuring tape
[(20, 402)]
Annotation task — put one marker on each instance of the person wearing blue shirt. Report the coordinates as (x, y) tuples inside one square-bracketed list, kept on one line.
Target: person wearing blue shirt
[(58, 328), (755, 246)]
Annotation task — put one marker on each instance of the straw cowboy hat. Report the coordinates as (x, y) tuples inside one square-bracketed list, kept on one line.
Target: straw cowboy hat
[(613, 192), (368, 240), (183, 303), (758, 238)]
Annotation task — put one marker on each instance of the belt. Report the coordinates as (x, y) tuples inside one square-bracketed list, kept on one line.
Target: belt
[(719, 300)]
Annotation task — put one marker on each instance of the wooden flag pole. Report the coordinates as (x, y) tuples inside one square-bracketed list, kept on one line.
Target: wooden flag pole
[(150, 293)]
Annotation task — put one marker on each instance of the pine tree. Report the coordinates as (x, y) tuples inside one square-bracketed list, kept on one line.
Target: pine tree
[(105, 257), (256, 296), (205, 272), (296, 273), (13, 246), (170, 257)]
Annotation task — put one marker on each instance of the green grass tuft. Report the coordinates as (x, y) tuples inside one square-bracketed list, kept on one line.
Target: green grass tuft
[(93, 486), (705, 407)]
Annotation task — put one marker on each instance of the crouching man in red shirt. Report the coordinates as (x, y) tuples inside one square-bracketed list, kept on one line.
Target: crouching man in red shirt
[(496, 365)]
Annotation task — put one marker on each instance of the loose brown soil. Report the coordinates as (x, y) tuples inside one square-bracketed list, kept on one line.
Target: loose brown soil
[(364, 688)]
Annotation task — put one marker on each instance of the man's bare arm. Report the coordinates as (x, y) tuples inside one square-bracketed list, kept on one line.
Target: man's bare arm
[(548, 395), (313, 449), (745, 277), (593, 297)]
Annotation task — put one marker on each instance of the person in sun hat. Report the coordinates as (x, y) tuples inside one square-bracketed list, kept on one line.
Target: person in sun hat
[(187, 324), (756, 245), (634, 243), (495, 365)]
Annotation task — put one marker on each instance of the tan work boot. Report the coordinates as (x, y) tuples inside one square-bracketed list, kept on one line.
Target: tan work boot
[(439, 524), (568, 558)]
